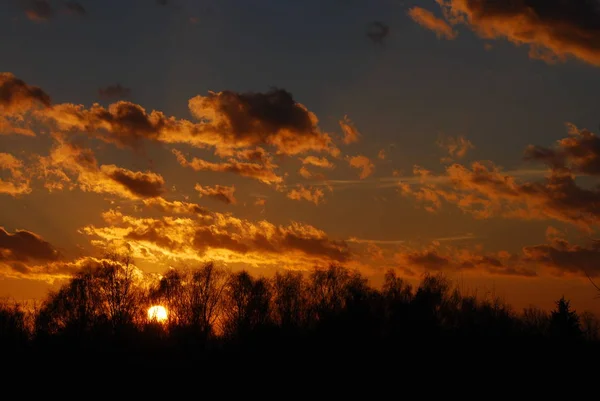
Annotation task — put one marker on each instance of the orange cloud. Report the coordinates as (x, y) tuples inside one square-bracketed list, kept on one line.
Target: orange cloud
[(67, 159), (381, 155), (457, 148), (362, 163), (16, 96), (578, 153), (17, 183), (221, 238), (427, 20), (219, 192), (176, 207), (262, 172), (314, 195), (317, 162), (228, 122), (553, 29), (16, 99), (484, 191), (351, 134), (273, 118)]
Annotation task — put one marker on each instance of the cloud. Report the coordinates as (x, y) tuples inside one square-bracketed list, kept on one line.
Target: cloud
[(351, 134), (305, 173), (317, 162), (435, 258), (362, 163), (175, 207), (262, 172), (260, 202), (273, 118), (38, 10), (314, 195), (69, 164), (114, 92), (24, 246), (553, 29), (427, 20), (140, 184), (377, 31), (381, 155), (484, 191), (26, 255), (228, 122), (561, 257), (578, 153), (220, 238), (457, 148), (17, 183), (17, 97), (75, 7), (219, 192)]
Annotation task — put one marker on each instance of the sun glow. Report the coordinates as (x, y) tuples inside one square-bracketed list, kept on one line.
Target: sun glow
[(157, 313)]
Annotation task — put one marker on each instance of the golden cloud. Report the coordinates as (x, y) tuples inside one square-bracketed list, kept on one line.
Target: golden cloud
[(220, 237), (263, 172), (219, 192), (553, 29), (427, 20), (457, 148), (362, 163), (314, 195), (351, 134), (67, 159), (17, 183)]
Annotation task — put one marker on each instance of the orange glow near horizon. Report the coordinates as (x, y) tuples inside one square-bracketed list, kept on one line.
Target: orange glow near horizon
[(157, 313)]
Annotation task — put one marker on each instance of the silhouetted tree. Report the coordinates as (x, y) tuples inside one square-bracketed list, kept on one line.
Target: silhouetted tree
[(116, 283), (246, 304), (290, 301), (14, 332), (564, 322), (590, 326)]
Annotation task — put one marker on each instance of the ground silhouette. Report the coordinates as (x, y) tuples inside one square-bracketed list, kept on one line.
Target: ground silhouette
[(327, 320)]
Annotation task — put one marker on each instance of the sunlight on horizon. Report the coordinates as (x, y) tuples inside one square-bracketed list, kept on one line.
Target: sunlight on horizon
[(157, 313)]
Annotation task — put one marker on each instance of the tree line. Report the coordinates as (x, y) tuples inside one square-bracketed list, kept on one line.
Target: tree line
[(213, 311)]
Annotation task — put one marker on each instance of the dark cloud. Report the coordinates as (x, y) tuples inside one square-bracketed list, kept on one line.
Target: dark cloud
[(17, 96), (23, 246), (553, 29), (579, 153), (564, 258), (38, 10), (221, 193), (437, 259), (228, 122), (75, 7), (377, 31), (116, 91), (254, 118), (145, 185)]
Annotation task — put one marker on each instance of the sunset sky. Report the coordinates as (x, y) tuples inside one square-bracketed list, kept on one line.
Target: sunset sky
[(453, 136)]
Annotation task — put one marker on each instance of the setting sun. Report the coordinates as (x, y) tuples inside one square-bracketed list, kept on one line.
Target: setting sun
[(157, 313)]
